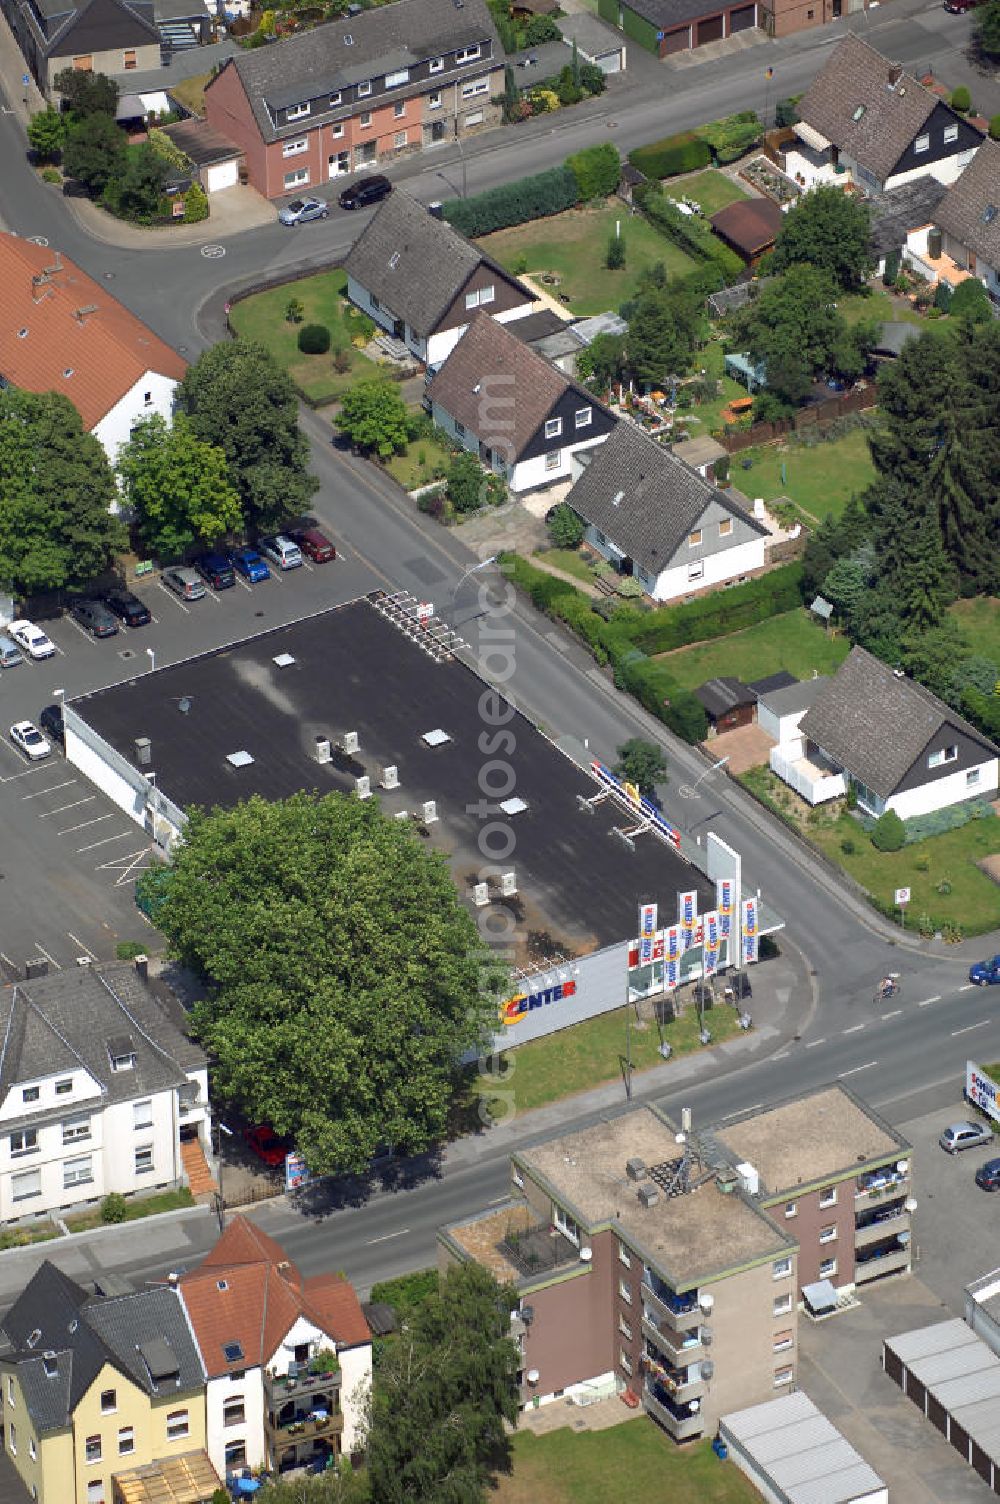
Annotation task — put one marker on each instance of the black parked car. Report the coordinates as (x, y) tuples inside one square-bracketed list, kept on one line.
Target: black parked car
[(988, 1175), (51, 722), (216, 569), (95, 617), (132, 611), (364, 192)]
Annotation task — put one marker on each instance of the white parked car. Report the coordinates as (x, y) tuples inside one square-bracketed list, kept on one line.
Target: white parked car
[(32, 639), (30, 740)]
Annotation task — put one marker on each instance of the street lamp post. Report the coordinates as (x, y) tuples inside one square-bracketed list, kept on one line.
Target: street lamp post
[(152, 659), (220, 1195), (473, 569), (720, 764)]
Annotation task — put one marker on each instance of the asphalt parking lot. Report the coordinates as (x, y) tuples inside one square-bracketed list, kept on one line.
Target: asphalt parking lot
[(70, 859)]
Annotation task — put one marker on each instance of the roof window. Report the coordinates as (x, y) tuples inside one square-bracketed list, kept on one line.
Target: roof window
[(34, 1337), (239, 759), (233, 1352), (858, 112), (989, 214)]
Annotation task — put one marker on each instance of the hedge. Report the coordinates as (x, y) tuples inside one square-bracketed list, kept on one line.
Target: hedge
[(514, 203), (691, 233), (597, 170), (732, 137), (722, 612), (672, 155), (982, 710)]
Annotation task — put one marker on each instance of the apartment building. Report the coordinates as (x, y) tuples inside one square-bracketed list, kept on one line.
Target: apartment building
[(103, 1399), (359, 91), (676, 1262)]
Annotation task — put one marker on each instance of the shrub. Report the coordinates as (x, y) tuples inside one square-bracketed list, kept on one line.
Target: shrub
[(970, 300), (673, 155), (127, 950), (732, 137), (432, 505), (942, 297), (995, 128), (51, 175), (614, 258), (568, 91), (891, 269), (785, 112), (541, 29), (566, 527), (470, 486), (195, 205), (961, 100), (693, 235), (593, 79), (113, 1207), (294, 311), (168, 150), (721, 468), (314, 339), (596, 170), (514, 203), (848, 846), (888, 833), (407, 1292)]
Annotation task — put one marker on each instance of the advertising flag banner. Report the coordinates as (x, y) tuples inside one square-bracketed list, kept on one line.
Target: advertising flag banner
[(724, 903), (658, 946), (646, 950), (296, 1172), (671, 957), (647, 920), (687, 915), (713, 941), (749, 916)]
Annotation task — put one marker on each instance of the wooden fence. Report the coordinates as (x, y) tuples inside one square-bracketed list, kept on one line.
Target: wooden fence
[(817, 415)]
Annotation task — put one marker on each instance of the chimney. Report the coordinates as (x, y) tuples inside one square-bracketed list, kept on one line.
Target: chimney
[(895, 74), (142, 967), (143, 751)]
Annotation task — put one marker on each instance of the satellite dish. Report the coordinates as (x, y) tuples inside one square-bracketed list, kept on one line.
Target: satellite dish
[(910, 1204), (902, 1165), (707, 1301), (586, 1254), (680, 1138), (532, 1376)]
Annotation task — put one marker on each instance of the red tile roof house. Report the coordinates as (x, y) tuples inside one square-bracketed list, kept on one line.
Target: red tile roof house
[(60, 331), (259, 1326), (359, 91)]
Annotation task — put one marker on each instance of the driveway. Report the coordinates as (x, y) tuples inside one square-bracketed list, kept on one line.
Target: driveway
[(746, 747)]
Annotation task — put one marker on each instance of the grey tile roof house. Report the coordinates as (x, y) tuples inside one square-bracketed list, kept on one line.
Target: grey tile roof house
[(895, 214), (969, 213), (658, 519), (903, 748), (111, 34), (415, 274)]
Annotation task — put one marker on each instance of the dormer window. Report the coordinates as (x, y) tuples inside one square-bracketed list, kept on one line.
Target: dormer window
[(858, 113), (397, 79), (29, 1093), (436, 65), (335, 99), (121, 1053), (364, 89), (297, 111), (468, 54)]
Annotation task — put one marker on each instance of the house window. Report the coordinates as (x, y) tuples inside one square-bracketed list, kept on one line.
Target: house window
[(625, 1361), (399, 110), (922, 143), (364, 89), (624, 1327), (623, 1256), (399, 140), (95, 1491), (566, 1225), (295, 148), (475, 118), (126, 1441), (236, 1454), (583, 417), (434, 101), (783, 1376), (77, 1172), (459, 430), (942, 755), (109, 1401), (297, 111), (177, 1425), (782, 1305), (725, 527), (337, 131), (32, 1451), (694, 538), (950, 134), (435, 65), (828, 1197), (24, 1187), (125, 1061), (62, 1087), (625, 1291), (93, 1448), (12, 1439), (144, 1160), (142, 1114), (335, 99), (783, 1341), (791, 1208), (475, 87), (147, 398), (234, 1411), (781, 1268), (128, 59), (395, 80), (30, 1094), (553, 428), (365, 120), (10, 1389), (296, 179), (696, 571), (553, 460), (828, 1234), (76, 1129), (24, 1142), (827, 1268), (84, 63), (487, 294), (468, 54)]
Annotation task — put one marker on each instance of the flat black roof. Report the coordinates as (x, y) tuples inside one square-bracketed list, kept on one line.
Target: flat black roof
[(578, 885)]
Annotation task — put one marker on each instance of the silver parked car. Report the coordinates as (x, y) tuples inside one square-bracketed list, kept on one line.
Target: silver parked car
[(184, 582), (302, 209), (958, 1136)]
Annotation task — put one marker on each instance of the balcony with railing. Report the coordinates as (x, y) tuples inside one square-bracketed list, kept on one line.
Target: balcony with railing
[(679, 1348), (680, 1421), (303, 1426), (884, 1222), (676, 1313), (682, 1384), (300, 1385), (876, 1185), (890, 1256)]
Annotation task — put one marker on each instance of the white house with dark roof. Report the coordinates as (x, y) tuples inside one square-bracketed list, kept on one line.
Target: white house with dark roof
[(897, 745), (422, 281), (969, 219), (657, 519), (863, 119), (98, 1090)]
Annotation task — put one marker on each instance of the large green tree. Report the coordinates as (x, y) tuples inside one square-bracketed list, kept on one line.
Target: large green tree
[(666, 324), (238, 398), (178, 487), (94, 152), (988, 28), (344, 979), (642, 763), (796, 330), (46, 133), (446, 1396), (138, 191), (57, 529), (373, 416), (87, 93), (831, 231)]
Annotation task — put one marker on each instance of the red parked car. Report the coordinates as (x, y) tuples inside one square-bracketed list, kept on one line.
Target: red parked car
[(314, 544), (266, 1144)]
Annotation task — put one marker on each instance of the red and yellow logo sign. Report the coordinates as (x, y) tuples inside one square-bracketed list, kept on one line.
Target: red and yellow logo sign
[(515, 1008)]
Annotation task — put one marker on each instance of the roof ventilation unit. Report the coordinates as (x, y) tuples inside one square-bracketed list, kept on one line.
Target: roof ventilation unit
[(283, 660), (749, 1177), (363, 787), (513, 806), (350, 743), (481, 895), (508, 884), (429, 812), (648, 1196), (390, 777), (322, 751), (239, 759), (706, 1370), (435, 738), (635, 1169), (143, 751)]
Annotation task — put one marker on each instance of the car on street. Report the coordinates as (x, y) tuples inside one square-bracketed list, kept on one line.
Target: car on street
[(364, 192), (31, 639), (266, 1144), (958, 1136), (282, 551), (301, 210), (29, 739), (314, 544), (128, 607), (95, 617), (985, 973), (184, 582), (248, 563), (988, 1175), (959, 7), (216, 569), (51, 720)]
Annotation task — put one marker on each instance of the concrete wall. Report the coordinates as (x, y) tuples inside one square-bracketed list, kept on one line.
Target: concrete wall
[(744, 1328), (355, 1387), (251, 1432), (568, 1341), (806, 1224)]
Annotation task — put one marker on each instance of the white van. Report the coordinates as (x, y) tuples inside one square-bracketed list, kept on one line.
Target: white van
[(281, 551)]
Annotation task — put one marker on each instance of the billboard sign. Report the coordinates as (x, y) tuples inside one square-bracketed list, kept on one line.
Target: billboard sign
[(981, 1091), (672, 957), (725, 897), (297, 1173), (514, 1009)]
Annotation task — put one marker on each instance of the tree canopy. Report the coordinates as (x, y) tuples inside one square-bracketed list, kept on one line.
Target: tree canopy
[(373, 416), (56, 492), (471, 487), (643, 764), (829, 230), (239, 399), (445, 1388), (178, 486), (46, 133), (343, 976), (86, 93), (666, 324), (988, 28), (94, 152), (795, 328)]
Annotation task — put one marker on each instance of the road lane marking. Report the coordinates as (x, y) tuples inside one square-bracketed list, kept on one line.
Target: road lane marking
[(926, 1002), (969, 1027), (51, 959), (813, 1043), (85, 948), (854, 1029), (783, 1056), (854, 1071), (387, 1235), (52, 790), (123, 836), (83, 825), (894, 1014), (968, 987), (743, 1111), (64, 807)]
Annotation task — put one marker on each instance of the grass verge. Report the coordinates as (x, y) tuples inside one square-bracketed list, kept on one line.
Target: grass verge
[(324, 301), (792, 641), (819, 478), (23, 1237), (147, 1206), (711, 189)]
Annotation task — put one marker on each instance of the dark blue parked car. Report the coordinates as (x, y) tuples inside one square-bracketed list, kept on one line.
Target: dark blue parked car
[(216, 569), (985, 973), (250, 565)]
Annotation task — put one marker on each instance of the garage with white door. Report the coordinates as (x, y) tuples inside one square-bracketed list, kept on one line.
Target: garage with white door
[(595, 41), (216, 160)]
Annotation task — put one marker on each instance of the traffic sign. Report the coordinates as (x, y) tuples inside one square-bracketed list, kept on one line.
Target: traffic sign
[(902, 897)]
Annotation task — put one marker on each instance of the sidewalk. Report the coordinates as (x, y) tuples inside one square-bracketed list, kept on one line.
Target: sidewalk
[(233, 211)]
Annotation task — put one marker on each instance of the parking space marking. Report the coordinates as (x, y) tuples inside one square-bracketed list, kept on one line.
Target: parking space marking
[(64, 807), (814, 1043), (45, 956), (83, 824), (246, 587), (171, 596), (856, 1069), (125, 835), (968, 987), (50, 790), (24, 773), (926, 1002), (82, 630), (7, 961), (969, 1027), (85, 948), (128, 867)]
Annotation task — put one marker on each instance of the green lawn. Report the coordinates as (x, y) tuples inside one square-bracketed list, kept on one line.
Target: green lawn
[(570, 561), (711, 189), (820, 478), (980, 621), (879, 305), (792, 641), (145, 1206), (573, 247), (706, 418), (590, 1053), (323, 297), (425, 460), (634, 1460)]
